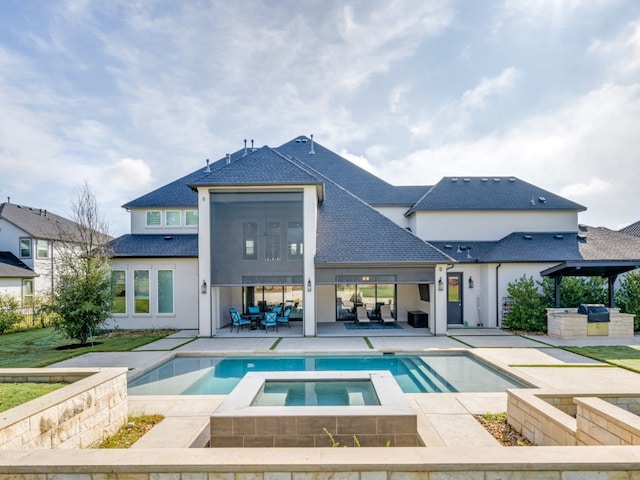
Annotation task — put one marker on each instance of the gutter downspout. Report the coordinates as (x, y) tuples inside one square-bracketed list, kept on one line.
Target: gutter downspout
[(498, 297)]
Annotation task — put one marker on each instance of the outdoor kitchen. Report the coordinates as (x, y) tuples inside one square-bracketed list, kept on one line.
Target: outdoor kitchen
[(589, 320)]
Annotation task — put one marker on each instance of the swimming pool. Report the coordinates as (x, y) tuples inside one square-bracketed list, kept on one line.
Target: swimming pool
[(458, 372)]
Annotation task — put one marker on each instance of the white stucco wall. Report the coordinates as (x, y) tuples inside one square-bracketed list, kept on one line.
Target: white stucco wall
[(395, 214), (139, 222), (185, 300), (488, 225)]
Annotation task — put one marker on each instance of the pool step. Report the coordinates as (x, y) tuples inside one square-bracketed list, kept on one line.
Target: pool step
[(426, 377)]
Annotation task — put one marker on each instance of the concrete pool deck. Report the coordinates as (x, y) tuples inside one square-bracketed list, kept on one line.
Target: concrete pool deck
[(445, 420)]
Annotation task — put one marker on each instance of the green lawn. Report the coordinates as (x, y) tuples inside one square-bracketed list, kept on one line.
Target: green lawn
[(622, 356), (39, 347), (13, 394)]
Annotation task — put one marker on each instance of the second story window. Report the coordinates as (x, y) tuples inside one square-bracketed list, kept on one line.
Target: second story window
[(42, 249), (172, 218), (191, 218), (295, 247), (249, 240), (272, 241), (25, 248), (154, 218)]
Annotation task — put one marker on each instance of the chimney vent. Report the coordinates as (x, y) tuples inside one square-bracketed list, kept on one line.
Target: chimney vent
[(312, 151), (245, 146), (252, 149), (228, 158), (208, 169)]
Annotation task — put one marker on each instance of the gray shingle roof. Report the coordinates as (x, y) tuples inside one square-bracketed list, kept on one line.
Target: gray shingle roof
[(12, 267), (264, 166), (132, 245), (352, 232), (491, 193), (37, 222), (633, 229), (589, 243)]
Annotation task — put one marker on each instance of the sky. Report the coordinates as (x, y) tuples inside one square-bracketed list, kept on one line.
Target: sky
[(129, 95)]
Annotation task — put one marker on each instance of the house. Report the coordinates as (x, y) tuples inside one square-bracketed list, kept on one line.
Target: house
[(29, 238), (299, 225), (633, 229)]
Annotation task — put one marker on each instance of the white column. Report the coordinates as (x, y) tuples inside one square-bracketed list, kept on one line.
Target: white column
[(310, 225), (438, 325), (205, 324)]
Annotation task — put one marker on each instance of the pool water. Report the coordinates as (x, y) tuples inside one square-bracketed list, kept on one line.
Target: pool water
[(298, 393), (413, 373)]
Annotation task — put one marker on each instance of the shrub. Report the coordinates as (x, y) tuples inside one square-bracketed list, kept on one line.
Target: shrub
[(528, 310), (628, 296), (574, 291), (9, 315)]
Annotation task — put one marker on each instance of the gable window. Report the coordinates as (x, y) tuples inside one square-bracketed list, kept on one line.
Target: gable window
[(118, 291), (141, 291), (295, 248), (154, 218), (27, 292), (191, 218), (172, 218), (42, 249), (25, 248), (272, 241), (165, 291), (249, 240)]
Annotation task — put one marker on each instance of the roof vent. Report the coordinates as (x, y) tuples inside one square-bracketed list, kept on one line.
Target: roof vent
[(527, 237), (542, 200), (512, 179), (208, 169), (558, 236), (228, 158), (252, 149), (168, 237), (312, 151), (245, 146), (466, 179), (582, 238), (447, 246), (496, 179), (298, 140), (454, 179), (533, 202), (484, 179)]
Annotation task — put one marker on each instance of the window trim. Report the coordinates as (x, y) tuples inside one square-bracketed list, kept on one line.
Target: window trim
[(186, 219), (22, 292)]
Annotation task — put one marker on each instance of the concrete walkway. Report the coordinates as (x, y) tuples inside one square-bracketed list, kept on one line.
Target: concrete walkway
[(445, 419)]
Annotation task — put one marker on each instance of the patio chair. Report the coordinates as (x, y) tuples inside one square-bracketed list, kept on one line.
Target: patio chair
[(253, 310), (270, 320), (361, 315), (385, 315), (277, 309), (284, 318), (238, 321)]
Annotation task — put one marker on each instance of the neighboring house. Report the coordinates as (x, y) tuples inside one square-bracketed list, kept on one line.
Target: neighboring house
[(301, 225), (29, 241), (633, 229)]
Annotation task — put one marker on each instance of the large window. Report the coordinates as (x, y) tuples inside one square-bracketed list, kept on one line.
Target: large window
[(27, 292), (272, 241), (118, 291), (25, 248), (42, 249), (141, 291), (154, 218), (295, 248), (250, 240), (165, 291), (371, 295)]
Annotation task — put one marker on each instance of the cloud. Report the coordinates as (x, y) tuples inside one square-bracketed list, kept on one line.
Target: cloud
[(396, 97), (620, 55), (476, 98)]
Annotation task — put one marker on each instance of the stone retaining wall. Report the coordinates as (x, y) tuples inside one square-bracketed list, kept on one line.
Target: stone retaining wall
[(92, 407), (602, 423)]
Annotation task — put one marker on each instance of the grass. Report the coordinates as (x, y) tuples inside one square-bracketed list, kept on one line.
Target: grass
[(14, 394), (135, 428), (44, 346), (621, 356)]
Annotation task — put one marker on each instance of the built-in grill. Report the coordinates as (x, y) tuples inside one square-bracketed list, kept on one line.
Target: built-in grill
[(597, 318)]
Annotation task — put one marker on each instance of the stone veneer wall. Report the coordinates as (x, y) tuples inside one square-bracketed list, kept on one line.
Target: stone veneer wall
[(568, 323), (552, 419), (92, 407)]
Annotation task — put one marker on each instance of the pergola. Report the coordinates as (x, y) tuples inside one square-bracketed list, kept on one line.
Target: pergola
[(590, 268)]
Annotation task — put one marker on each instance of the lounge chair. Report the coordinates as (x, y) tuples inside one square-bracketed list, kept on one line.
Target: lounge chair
[(284, 318), (385, 315), (361, 315), (238, 321), (270, 320)]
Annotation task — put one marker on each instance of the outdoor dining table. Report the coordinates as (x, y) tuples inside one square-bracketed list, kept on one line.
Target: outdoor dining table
[(254, 318)]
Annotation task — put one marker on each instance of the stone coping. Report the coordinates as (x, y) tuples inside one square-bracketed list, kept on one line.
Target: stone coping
[(405, 459)]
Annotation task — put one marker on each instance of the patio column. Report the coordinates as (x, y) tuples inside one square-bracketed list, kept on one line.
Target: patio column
[(310, 215), (205, 324)]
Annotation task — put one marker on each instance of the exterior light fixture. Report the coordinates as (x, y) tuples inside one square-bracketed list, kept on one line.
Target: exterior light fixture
[(471, 284), (203, 287), (440, 284), (309, 285)]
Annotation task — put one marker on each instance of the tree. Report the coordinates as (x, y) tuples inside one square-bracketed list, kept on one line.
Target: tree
[(82, 298), (9, 315), (528, 310), (628, 296)]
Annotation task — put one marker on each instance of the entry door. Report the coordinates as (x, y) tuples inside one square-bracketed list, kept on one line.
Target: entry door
[(454, 299)]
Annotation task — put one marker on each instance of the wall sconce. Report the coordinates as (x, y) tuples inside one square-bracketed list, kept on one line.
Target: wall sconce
[(203, 287), (440, 284), (309, 285), (470, 282)]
